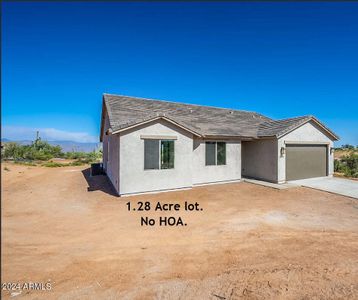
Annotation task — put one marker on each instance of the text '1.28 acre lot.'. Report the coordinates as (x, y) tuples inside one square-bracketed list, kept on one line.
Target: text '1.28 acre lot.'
[(164, 207)]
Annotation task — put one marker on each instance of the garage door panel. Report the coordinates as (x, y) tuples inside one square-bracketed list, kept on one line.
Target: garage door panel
[(305, 161)]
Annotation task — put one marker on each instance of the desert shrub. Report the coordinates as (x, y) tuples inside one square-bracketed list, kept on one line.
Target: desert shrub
[(85, 157), (337, 166), (348, 165), (12, 150), (42, 151), (351, 164), (51, 164), (75, 155), (94, 156), (25, 163), (29, 153), (77, 163), (38, 150)]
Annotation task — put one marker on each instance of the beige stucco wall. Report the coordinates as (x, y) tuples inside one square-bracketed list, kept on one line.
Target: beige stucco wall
[(307, 133), (203, 174), (111, 163), (259, 159), (114, 163), (133, 177)]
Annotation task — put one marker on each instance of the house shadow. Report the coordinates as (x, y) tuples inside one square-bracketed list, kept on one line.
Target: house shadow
[(98, 183)]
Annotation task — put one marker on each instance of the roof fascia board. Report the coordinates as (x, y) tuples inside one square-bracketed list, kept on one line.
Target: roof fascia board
[(158, 137), (305, 143), (268, 137), (154, 119), (227, 137)]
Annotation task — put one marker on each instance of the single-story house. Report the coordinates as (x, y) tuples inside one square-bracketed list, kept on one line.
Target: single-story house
[(153, 145)]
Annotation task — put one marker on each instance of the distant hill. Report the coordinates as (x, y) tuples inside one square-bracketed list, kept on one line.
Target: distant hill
[(67, 146)]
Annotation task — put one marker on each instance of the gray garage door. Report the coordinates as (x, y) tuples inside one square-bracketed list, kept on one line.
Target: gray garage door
[(305, 161)]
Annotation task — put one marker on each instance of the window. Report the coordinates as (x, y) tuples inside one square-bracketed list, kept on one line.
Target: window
[(151, 154), (167, 154), (210, 150), (215, 153), (221, 153), (158, 154)]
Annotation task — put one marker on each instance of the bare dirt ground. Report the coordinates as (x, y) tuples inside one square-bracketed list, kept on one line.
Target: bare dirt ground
[(249, 242)]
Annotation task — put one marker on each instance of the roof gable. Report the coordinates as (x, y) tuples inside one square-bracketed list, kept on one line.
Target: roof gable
[(279, 128)]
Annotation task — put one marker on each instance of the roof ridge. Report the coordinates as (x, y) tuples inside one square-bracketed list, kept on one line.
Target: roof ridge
[(298, 117), (190, 104), (273, 121)]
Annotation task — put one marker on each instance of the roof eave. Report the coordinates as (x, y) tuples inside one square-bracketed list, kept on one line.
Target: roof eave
[(103, 117), (260, 137), (154, 119), (223, 136)]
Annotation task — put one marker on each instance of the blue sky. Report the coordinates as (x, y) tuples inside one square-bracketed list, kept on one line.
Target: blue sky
[(279, 59)]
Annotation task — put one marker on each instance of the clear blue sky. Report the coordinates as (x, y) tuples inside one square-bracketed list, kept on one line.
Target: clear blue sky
[(279, 59)]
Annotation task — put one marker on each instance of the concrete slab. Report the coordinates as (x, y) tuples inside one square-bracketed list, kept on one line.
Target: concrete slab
[(335, 185), (282, 186)]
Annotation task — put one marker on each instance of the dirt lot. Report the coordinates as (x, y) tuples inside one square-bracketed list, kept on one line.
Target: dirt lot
[(249, 242)]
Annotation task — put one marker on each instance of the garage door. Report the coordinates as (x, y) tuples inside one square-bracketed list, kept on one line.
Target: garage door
[(305, 161)]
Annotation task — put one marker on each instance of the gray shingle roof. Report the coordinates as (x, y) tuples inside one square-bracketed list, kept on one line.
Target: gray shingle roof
[(125, 111), (279, 127)]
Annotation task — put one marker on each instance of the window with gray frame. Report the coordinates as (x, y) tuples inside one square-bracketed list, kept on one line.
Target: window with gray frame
[(215, 153), (158, 154)]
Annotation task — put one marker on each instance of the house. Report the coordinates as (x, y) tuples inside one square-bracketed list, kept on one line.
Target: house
[(151, 145)]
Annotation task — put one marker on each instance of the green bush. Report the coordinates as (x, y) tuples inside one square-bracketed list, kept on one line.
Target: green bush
[(75, 155), (25, 163), (337, 166), (348, 165), (13, 150), (77, 163), (38, 150), (85, 158), (51, 164), (351, 163)]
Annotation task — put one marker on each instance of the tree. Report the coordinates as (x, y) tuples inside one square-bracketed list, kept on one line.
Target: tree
[(12, 150), (348, 146)]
